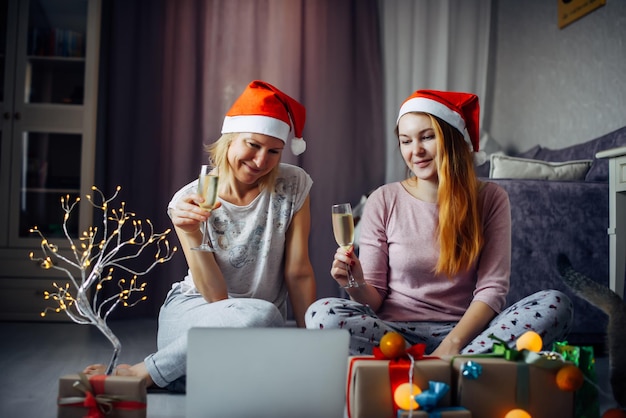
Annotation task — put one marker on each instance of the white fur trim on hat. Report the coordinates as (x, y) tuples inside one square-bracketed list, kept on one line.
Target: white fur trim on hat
[(298, 146), (422, 104), (257, 124)]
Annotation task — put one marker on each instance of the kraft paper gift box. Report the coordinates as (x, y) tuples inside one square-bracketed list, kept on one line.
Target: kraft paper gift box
[(101, 396), (503, 385), (445, 412), (369, 384)]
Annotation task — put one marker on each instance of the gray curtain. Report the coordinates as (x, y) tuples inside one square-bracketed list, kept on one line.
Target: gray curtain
[(433, 44), (171, 69)]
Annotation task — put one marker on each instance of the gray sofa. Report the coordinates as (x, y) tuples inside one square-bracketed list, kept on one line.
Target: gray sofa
[(554, 216)]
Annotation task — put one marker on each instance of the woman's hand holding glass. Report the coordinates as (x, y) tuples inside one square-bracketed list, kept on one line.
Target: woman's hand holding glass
[(207, 189), (343, 229), (188, 216)]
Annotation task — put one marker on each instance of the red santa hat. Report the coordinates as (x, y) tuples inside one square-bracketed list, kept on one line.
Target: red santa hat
[(461, 110), (263, 109)]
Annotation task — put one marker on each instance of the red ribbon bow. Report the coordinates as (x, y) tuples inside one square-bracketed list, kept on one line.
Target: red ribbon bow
[(398, 368)]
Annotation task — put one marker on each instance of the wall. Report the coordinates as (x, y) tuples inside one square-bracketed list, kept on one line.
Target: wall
[(555, 87)]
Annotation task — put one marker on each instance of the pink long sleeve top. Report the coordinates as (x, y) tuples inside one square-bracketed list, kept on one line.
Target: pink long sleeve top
[(398, 251)]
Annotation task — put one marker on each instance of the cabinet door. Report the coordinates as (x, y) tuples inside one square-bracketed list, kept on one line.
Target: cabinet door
[(48, 64), (8, 34), (53, 130)]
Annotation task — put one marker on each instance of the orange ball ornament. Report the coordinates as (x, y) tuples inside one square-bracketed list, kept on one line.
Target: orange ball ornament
[(614, 413), (517, 413), (392, 345), (569, 378), (404, 396), (530, 341)]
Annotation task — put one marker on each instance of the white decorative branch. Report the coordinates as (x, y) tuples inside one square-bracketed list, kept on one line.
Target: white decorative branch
[(94, 252)]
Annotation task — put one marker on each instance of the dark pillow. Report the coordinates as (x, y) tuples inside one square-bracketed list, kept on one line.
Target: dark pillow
[(599, 170), (531, 153)]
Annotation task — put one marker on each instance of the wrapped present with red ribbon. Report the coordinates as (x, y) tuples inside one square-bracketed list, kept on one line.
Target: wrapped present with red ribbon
[(101, 396), (492, 385), (373, 380)]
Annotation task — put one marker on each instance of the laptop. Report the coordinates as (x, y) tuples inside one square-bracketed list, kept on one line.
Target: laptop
[(266, 372)]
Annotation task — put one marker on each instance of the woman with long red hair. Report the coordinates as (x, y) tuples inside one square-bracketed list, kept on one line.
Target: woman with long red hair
[(435, 249)]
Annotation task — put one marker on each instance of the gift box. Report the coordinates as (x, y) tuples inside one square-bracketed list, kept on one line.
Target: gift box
[(444, 412), (101, 396), (490, 387), (370, 387), (586, 400)]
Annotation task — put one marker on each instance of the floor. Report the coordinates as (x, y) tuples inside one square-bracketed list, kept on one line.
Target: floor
[(34, 355)]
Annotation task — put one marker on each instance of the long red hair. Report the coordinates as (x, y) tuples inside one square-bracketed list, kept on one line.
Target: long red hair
[(460, 233)]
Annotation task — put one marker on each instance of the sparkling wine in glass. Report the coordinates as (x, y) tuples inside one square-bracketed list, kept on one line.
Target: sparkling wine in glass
[(207, 188), (343, 229)]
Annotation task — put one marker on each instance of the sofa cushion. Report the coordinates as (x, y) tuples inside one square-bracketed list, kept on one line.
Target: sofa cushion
[(504, 166), (531, 153), (599, 170)]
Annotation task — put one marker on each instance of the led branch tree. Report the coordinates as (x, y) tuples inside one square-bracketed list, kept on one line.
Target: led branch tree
[(92, 260)]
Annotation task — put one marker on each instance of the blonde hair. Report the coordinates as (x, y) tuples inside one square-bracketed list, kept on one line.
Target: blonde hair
[(459, 232), (218, 156)]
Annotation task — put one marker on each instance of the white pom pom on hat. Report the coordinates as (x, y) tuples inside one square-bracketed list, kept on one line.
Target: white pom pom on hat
[(461, 110), (264, 109)]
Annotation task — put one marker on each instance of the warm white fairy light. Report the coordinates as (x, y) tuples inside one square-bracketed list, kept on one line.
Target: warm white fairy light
[(80, 297)]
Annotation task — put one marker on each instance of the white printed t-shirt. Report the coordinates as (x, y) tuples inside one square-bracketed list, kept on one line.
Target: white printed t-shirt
[(250, 240)]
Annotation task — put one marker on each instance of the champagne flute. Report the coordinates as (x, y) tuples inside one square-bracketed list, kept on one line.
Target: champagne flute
[(343, 229), (207, 188)]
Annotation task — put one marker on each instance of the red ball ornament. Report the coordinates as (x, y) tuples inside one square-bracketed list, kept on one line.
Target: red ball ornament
[(392, 345), (614, 413)]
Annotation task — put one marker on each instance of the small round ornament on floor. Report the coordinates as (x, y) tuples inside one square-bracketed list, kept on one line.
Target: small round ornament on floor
[(614, 413)]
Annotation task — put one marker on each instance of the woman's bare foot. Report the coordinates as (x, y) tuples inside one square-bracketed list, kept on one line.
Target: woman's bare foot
[(138, 370), (94, 369)]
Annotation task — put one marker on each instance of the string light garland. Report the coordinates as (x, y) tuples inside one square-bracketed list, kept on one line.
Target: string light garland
[(121, 238)]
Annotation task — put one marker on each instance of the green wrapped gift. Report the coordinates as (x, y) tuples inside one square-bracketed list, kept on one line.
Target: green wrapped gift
[(586, 400)]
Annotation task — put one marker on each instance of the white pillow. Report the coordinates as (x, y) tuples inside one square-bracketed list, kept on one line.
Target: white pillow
[(506, 167)]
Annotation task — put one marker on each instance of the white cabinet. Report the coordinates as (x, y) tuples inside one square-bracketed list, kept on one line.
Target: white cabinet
[(617, 217), (48, 103)]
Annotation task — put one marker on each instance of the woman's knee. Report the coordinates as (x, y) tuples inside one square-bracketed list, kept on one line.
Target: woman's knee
[(558, 302), (258, 313), (329, 312), (564, 307)]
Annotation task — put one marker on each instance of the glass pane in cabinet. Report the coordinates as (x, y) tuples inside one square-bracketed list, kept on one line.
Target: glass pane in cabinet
[(50, 171), (55, 68)]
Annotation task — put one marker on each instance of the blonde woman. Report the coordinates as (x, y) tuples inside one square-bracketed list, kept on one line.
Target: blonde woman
[(259, 228)]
